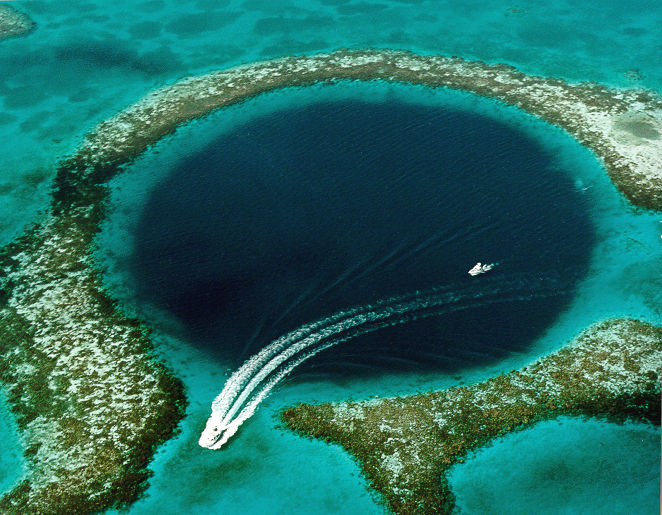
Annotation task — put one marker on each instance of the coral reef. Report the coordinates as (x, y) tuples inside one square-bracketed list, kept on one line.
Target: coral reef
[(91, 402), (13, 23), (593, 114)]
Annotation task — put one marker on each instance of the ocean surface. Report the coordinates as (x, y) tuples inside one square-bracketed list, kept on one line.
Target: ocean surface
[(307, 202)]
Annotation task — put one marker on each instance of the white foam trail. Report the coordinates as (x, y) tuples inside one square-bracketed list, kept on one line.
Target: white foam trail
[(253, 381)]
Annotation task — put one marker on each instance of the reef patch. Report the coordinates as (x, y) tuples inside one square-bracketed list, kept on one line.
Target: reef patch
[(13, 23)]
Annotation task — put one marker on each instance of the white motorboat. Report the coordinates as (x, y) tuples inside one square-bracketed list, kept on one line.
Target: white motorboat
[(480, 268)]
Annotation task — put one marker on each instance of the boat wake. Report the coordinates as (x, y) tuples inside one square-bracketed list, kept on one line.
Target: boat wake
[(256, 378)]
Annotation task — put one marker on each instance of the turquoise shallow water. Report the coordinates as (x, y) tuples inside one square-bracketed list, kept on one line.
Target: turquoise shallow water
[(564, 466), (87, 60), (11, 451)]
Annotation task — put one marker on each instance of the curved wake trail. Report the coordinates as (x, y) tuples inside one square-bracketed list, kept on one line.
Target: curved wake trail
[(253, 381)]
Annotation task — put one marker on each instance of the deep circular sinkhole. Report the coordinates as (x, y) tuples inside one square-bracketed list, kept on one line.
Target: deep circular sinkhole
[(308, 211)]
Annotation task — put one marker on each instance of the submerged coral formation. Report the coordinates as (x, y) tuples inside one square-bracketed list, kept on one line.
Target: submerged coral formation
[(93, 403), (90, 400), (13, 23), (406, 445), (597, 116)]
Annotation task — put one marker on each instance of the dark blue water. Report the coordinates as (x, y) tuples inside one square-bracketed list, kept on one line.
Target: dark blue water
[(306, 212)]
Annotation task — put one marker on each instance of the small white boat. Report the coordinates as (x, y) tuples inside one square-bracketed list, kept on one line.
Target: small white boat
[(480, 268)]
